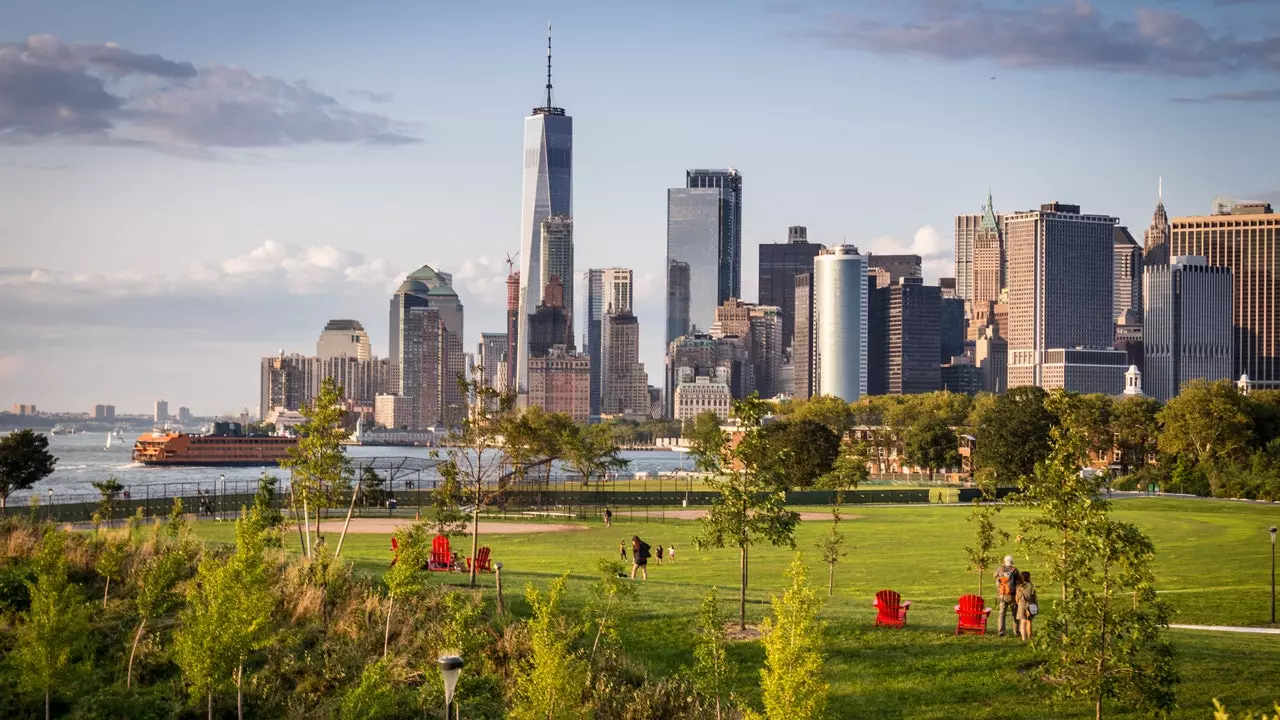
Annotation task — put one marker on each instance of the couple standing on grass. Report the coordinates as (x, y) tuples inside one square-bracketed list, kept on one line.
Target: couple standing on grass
[(1018, 595)]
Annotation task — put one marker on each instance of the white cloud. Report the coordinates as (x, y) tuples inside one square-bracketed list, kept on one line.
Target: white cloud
[(936, 252)]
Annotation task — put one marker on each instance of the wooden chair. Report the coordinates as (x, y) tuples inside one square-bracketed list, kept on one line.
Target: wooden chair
[(481, 560), (971, 615), (441, 559), (891, 611), (395, 550)]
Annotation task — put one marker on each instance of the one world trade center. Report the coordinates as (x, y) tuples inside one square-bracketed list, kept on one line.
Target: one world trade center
[(547, 190)]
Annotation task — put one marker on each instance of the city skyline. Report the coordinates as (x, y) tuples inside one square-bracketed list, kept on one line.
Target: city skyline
[(155, 277)]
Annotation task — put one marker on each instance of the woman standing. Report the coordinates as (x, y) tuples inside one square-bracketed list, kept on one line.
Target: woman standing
[(639, 557), (1027, 607)]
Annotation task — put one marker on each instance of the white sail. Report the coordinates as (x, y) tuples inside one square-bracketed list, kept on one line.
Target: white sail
[(108, 447)]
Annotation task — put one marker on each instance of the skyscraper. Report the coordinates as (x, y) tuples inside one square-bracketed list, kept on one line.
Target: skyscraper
[(1155, 241), (548, 190), (1060, 287), (704, 248), (1187, 331), (802, 341), (285, 381), (607, 288), (557, 261), (343, 338), (840, 322), (560, 382), (766, 349), (162, 411), (490, 355), (513, 327), (913, 336), (988, 257), (1126, 272), (624, 385), (780, 263), (1245, 238), (896, 267), (426, 329)]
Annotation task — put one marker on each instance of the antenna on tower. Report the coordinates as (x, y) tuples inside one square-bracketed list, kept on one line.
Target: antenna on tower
[(1160, 188), (548, 63)]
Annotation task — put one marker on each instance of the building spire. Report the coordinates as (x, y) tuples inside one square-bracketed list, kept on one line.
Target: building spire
[(1160, 189), (548, 63)]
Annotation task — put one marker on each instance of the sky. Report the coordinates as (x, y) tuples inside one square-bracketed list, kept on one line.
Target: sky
[(187, 187)]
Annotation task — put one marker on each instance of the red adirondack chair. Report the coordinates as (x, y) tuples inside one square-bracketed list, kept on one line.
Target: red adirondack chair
[(441, 558), (891, 611), (971, 615), (482, 560), (395, 550)]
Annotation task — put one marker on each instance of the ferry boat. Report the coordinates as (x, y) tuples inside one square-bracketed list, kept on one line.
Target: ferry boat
[(226, 446)]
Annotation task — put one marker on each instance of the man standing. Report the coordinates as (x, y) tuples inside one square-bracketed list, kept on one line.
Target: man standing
[(1006, 589), (608, 517)]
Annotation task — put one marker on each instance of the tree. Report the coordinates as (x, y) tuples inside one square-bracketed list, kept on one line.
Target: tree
[(713, 672), (406, 574), (985, 535), (1089, 416), (318, 463), (373, 488), (1115, 649), (1133, 422), (113, 555), (552, 682), (803, 452), (154, 583), (267, 519), (24, 461), (109, 492), (591, 451), (706, 440), (446, 515), (607, 607), (751, 506), (831, 547), (1014, 436), (227, 618), (849, 469), (931, 444), (53, 628), (791, 681), (476, 452), (1208, 422), (833, 412)]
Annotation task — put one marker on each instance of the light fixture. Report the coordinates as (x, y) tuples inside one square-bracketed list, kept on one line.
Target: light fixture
[(450, 668)]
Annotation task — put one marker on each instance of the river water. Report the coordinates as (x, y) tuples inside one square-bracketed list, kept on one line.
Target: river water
[(83, 460)]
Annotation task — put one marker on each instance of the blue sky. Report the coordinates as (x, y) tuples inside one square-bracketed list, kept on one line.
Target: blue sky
[(222, 178)]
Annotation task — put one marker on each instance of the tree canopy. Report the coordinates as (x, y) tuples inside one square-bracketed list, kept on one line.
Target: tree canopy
[(24, 461)]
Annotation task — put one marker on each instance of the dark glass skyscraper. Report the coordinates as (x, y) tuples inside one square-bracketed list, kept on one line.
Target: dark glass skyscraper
[(780, 263), (704, 248)]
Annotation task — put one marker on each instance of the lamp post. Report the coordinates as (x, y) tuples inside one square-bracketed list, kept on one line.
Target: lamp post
[(1273, 574), (222, 497), (49, 512), (450, 668)]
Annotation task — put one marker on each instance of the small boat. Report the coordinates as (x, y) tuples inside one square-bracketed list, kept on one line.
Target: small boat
[(118, 435), (108, 445)]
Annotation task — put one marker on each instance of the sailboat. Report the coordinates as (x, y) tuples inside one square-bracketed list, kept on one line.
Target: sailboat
[(108, 446)]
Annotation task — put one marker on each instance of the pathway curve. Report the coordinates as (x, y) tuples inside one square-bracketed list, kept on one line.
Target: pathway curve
[(1227, 628)]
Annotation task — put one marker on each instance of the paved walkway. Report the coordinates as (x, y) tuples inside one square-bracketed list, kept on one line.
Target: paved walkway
[(1227, 628)]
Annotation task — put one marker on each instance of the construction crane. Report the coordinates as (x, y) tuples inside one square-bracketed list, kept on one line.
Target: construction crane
[(511, 261)]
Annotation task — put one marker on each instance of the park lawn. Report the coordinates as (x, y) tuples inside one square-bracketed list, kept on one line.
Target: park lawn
[(1213, 566)]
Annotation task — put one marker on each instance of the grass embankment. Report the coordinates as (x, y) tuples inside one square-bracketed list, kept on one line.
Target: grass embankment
[(1213, 567)]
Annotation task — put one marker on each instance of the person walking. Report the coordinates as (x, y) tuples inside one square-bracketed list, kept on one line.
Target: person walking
[(639, 557), (671, 554), (1027, 606), (1006, 589), (608, 517), (659, 554), (622, 548)]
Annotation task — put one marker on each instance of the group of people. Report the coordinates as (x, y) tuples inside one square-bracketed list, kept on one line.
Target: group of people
[(640, 554), (204, 502), (1017, 596)]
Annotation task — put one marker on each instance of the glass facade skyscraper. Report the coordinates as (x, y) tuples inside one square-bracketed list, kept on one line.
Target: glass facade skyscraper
[(780, 263), (704, 248), (547, 190), (840, 323)]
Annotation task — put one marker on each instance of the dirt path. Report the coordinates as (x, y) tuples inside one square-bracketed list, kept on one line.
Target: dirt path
[(386, 526), (699, 514)]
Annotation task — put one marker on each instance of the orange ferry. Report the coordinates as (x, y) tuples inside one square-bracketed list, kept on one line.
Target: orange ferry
[(170, 448)]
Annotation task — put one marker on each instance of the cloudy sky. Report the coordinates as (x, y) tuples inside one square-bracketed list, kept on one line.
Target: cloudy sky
[(189, 186)]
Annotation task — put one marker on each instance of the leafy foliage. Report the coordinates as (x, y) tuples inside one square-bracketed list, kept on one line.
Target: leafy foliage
[(985, 538), (54, 627), (318, 463), (1014, 435), (792, 678), (591, 451), (553, 682), (1208, 422), (713, 672), (109, 492), (24, 461), (931, 444)]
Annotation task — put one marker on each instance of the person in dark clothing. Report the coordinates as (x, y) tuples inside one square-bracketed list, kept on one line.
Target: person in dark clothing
[(622, 548), (1007, 578), (608, 517), (639, 557)]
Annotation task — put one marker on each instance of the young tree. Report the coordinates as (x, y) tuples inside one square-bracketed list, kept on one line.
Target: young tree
[(109, 492), (475, 458), (828, 410), (373, 488), (1115, 649), (985, 538), (113, 556), (405, 577), (154, 583), (831, 547), (553, 681), (446, 516), (227, 618), (791, 680), (713, 673), (54, 627), (24, 461), (607, 607), (318, 463), (848, 471), (751, 506), (1014, 435), (931, 444), (591, 451)]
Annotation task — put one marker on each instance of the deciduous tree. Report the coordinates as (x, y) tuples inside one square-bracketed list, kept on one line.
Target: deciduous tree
[(1208, 422), (713, 672), (24, 461), (791, 681), (553, 681), (53, 629), (591, 451), (1133, 421), (318, 463), (1014, 436), (931, 444)]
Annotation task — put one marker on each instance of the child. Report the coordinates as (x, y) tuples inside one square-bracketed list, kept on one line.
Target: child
[(622, 548), (659, 554), (671, 554)]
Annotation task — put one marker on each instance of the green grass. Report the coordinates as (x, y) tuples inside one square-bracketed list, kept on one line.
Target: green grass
[(1213, 566)]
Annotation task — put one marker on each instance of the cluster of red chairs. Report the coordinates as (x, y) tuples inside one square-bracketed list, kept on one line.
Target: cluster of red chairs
[(971, 612), (444, 560)]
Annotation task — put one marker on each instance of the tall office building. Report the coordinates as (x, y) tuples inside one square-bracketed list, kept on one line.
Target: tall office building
[(624, 385), (162, 411), (766, 349), (560, 382), (895, 267), (733, 318), (285, 381), (912, 336), (1155, 245), (104, 412), (840, 322), (343, 338), (547, 190), (704, 248), (979, 251), (549, 324), (426, 330), (802, 340), (1126, 273), (1187, 330), (608, 289), (1060, 300), (952, 328), (1244, 237), (490, 355), (991, 356), (557, 261), (513, 327), (780, 263), (184, 415)]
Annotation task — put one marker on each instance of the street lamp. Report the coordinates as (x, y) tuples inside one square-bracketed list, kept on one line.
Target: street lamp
[(222, 498), (1273, 574), (450, 668), (49, 512)]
